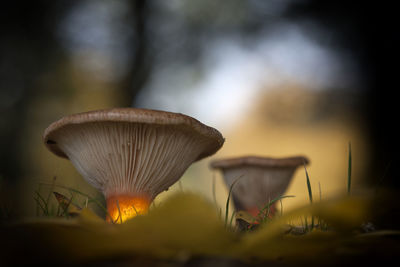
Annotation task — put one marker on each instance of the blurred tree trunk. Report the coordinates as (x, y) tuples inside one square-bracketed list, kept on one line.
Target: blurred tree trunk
[(369, 31), (27, 49), (140, 68)]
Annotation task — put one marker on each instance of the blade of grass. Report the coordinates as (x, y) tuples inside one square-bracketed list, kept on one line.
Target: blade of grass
[(133, 206), (36, 200), (58, 212), (228, 200), (45, 208), (320, 192), (268, 205), (39, 204), (320, 198), (349, 171), (119, 212), (66, 214), (51, 189), (233, 215), (214, 194), (309, 194), (308, 185), (268, 210)]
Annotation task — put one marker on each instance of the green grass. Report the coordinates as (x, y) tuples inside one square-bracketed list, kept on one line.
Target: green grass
[(45, 209), (229, 198), (264, 212), (321, 224), (119, 213), (309, 189), (214, 191), (349, 171), (90, 198), (43, 203), (310, 196)]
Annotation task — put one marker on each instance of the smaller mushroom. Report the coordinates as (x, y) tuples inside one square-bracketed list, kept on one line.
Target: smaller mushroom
[(259, 179)]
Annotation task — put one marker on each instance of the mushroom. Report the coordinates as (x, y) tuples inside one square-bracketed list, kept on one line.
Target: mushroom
[(131, 155), (259, 179)]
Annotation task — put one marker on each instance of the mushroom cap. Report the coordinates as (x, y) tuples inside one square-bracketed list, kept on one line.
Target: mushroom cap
[(263, 162), (261, 179), (136, 116), (129, 150)]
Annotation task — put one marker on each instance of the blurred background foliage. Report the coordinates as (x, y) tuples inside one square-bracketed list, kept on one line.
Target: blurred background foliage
[(277, 78)]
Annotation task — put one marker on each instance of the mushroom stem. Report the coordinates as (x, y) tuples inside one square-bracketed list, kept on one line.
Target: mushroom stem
[(124, 207)]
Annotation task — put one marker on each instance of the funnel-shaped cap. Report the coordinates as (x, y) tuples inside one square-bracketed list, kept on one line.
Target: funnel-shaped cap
[(260, 179), (134, 153)]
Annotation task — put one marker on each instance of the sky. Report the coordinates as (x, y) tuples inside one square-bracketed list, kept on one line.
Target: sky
[(232, 71)]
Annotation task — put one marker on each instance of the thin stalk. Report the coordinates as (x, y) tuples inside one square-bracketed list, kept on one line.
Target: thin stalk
[(269, 204), (214, 194), (233, 215), (119, 212), (66, 214), (309, 194), (39, 204), (45, 208), (58, 210), (228, 200), (349, 171), (51, 189), (320, 192), (268, 209), (133, 206), (308, 185)]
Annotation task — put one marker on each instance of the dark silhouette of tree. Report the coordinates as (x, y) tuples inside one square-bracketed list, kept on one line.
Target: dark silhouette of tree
[(369, 31)]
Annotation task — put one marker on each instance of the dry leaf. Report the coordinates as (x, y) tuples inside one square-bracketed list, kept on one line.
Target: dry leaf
[(67, 205)]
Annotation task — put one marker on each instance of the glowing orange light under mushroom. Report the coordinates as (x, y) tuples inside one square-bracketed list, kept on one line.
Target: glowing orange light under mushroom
[(125, 207)]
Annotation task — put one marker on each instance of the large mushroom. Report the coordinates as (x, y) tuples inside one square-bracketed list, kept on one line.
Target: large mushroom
[(259, 179), (131, 155)]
